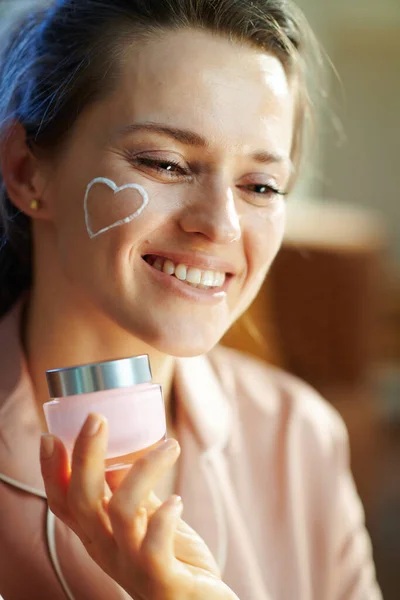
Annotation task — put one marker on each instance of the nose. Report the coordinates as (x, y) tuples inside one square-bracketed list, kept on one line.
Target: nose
[(212, 213)]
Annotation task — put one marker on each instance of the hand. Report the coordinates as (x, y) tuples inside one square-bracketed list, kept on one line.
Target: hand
[(137, 540)]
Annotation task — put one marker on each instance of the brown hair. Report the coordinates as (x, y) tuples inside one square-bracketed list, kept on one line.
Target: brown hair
[(62, 57)]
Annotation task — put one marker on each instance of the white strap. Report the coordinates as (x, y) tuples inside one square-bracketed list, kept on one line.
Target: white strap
[(22, 486), (51, 544)]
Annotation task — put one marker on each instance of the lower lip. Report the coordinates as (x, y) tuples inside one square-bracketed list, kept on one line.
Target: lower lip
[(182, 289)]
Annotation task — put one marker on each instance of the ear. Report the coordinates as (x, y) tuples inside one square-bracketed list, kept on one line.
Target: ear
[(22, 173)]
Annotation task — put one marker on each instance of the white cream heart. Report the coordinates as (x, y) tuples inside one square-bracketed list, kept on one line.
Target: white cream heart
[(111, 184)]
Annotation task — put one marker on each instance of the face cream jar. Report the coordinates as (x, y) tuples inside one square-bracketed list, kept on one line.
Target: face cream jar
[(120, 390)]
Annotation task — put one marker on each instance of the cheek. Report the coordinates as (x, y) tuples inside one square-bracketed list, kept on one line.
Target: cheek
[(264, 234), (112, 206), (120, 221), (123, 205), (262, 237)]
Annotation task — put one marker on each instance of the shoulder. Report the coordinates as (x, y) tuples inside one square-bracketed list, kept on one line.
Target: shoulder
[(266, 397)]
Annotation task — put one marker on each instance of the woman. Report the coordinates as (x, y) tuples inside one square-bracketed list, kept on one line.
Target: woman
[(203, 106)]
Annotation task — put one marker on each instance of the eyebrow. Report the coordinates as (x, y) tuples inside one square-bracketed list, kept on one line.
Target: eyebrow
[(190, 138)]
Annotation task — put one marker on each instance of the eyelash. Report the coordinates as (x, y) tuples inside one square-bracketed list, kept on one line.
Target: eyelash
[(270, 189), (156, 165), (179, 170)]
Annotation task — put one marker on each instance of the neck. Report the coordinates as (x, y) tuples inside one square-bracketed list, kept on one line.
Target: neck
[(61, 331)]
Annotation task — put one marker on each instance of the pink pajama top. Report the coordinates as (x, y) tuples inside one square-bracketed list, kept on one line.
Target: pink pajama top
[(264, 476)]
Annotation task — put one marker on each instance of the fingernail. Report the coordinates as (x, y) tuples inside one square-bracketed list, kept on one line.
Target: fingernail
[(170, 445), (176, 504), (104, 503), (46, 446), (92, 425)]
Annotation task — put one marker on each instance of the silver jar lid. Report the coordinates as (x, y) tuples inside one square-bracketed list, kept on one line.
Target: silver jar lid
[(85, 379)]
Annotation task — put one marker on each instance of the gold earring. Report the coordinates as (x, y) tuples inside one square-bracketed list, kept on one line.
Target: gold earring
[(34, 205)]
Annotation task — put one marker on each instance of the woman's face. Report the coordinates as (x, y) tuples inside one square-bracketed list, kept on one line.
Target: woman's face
[(206, 128)]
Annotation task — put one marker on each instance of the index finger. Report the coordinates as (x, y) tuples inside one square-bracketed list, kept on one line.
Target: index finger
[(135, 489), (56, 473)]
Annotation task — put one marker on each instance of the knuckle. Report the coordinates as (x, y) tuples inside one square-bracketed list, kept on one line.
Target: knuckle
[(117, 510)]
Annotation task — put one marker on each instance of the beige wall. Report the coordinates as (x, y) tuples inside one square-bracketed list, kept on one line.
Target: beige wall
[(362, 38)]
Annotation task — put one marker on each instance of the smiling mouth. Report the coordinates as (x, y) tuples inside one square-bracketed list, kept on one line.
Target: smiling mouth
[(192, 276)]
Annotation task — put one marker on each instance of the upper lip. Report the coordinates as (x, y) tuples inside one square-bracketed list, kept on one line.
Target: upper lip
[(198, 260)]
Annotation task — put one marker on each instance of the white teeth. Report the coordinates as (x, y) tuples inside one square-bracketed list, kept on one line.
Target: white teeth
[(207, 278), (219, 279), (169, 267), (158, 264), (181, 272), (193, 276)]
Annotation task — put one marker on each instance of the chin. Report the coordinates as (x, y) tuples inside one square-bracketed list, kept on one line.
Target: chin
[(176, 339), (183, 346)]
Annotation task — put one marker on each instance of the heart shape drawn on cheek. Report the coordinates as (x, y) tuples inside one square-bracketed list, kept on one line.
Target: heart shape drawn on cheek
[(111, 184)]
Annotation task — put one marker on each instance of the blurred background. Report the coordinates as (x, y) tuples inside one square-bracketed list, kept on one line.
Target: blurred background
[(329, 311)]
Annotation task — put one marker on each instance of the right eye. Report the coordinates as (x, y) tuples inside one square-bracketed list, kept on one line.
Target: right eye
[(165, 167)]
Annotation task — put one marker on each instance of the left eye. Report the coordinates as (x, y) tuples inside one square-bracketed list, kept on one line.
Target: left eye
[(265, 190)]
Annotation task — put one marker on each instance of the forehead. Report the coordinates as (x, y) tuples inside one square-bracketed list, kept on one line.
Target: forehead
[(229, 93)]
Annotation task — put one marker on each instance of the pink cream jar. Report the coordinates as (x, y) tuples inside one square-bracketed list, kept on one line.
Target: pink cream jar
[(120, 390)]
